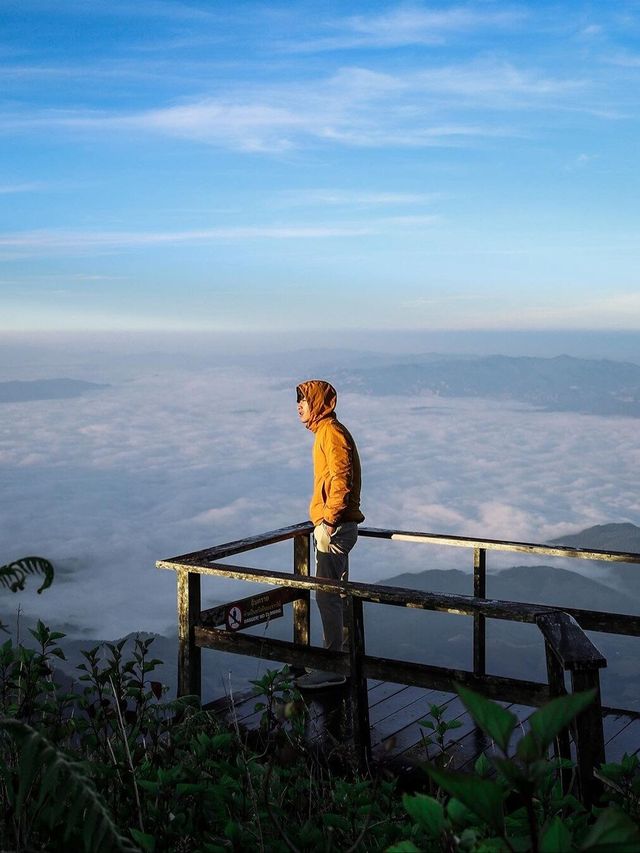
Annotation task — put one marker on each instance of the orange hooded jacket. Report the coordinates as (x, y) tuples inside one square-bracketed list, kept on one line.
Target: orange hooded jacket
[(336, 464)]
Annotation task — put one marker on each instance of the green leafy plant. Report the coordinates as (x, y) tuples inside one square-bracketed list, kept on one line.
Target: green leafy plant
[(523, 807), (111, 764), (622, 783), (439, 727), (13, 576), (65, 795), (283, 710)]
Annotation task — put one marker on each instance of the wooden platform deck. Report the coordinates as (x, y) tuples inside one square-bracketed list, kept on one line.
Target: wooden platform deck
[(395, 712), (377, 719)]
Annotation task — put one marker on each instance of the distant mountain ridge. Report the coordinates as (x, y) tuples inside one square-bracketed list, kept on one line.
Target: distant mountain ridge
[(25, 391), (562, 383), (514, 648), (612, 537), (618, 592), (604, 537)]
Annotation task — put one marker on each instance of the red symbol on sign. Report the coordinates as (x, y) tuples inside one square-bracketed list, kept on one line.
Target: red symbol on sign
[(234, 618)]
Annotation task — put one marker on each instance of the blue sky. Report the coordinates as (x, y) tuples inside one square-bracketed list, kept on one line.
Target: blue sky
[(259, 166)]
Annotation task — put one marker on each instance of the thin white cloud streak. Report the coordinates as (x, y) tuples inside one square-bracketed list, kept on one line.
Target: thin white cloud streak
[(606, 311), (116, 8), (355, 107), (43, 241), (25, 187), (446, 299), (349, 198), (494, 81), (407, 24), (624, 60)]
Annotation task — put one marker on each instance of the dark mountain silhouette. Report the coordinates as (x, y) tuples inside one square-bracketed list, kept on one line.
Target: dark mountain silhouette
[(45, 389), (605, 537), (515, 649), (539, 584), (562, 383), (612, 537)]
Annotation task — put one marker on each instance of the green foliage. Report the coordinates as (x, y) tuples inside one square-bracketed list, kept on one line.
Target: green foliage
[(492, 718), (613, 832), (283, 709), (623, 783), (13, 576), (439, 727), (43, 768), (523, 808), (114, 765), (547, 723)]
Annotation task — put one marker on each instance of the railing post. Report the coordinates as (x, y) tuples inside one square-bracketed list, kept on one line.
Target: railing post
[(301, 609), (562, 744), (479, 626), (589, 734), (573, 651), (358, 683), (189, 654)]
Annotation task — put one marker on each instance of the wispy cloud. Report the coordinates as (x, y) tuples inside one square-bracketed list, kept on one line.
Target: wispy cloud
[(407, 24), (351, 198), (443, 299), (24, 187), (624, 59), (581, 161), (355, 107), (58, 240), (493, 81), (52, 240), (156, 9)]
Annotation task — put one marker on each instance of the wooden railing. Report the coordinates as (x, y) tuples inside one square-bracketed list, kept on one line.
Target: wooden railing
[(568, 649)]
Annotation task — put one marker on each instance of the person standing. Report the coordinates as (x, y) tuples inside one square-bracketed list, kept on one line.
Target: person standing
[(334, 510)]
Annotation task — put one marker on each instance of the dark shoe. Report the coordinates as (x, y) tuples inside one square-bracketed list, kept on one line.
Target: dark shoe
[(317, 680)]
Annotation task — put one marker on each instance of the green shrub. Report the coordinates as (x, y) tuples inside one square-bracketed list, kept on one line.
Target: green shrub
[(114, 765), (514, 801)]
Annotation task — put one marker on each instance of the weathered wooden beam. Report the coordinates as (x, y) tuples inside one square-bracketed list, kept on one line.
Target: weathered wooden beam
[(620, 712), (608, 623), (569, 649), (568, 642), (442, 678), (269, 648), (589, 735), (479, 626), (189, 658), (358, 683), (213, 616), (302, 607), (500, 545), (463, 605), (238, 546), (562, 745), (400, 672)]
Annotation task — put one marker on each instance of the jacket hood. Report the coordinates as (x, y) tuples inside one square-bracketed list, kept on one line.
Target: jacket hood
[(321, 397)]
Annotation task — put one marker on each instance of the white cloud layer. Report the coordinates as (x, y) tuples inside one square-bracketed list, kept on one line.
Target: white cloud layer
[(170, 460)]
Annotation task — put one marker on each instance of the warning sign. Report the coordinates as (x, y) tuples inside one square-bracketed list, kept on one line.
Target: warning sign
[(254, 610), (234, 618)]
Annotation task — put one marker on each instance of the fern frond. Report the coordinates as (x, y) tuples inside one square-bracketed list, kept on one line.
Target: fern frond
[(14, 575), (63, 793)]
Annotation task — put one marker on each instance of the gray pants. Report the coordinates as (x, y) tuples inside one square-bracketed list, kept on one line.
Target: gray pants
[(332, 561)]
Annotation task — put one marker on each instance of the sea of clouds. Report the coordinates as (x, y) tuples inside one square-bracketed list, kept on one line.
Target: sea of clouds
[(172, 458)]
